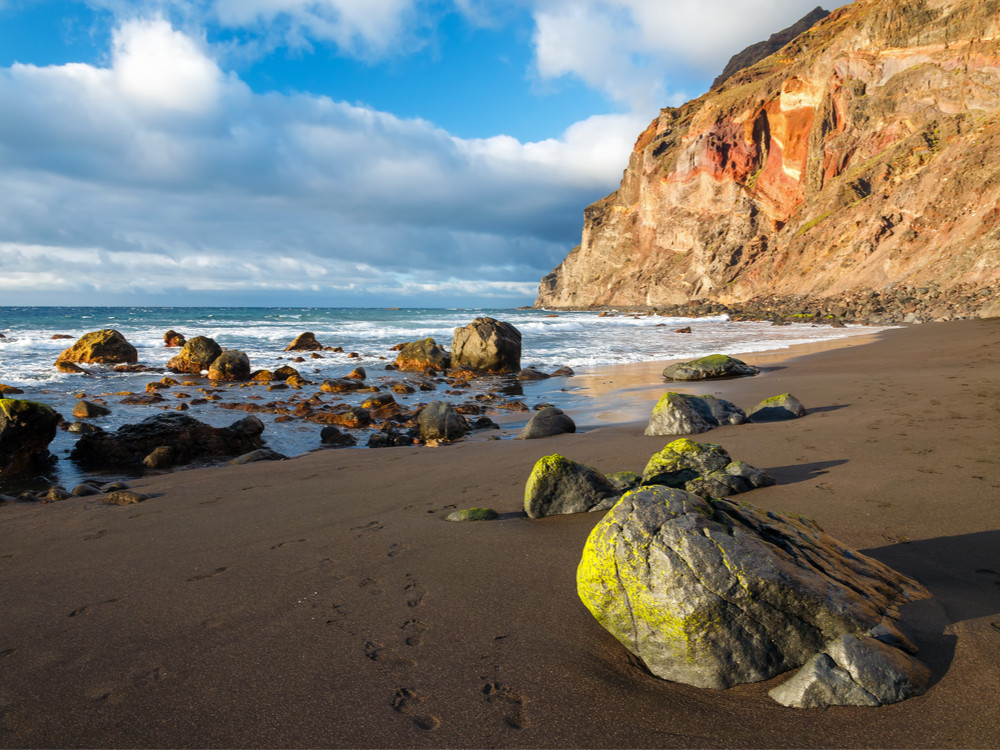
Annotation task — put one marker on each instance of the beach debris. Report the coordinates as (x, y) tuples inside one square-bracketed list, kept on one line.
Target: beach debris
[(26, 429), (189, 439), (487, 345), (472, 514), (545, 422), (418, 356), (441, 421), (558, 486), (124, 497), (196, 355), (172, 338), (304, 342), (684, 414), (705, 469), (713, 594), (231, 365), (332, 437), (712, 366), (777, 409), (104, 347), (89, 409)]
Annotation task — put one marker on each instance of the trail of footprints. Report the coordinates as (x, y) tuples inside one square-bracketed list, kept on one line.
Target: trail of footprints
[(398, 653)]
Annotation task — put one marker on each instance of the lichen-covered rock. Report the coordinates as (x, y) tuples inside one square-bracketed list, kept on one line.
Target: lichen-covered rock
[(624, 480), (854, 670), (104, 347), (420, 355), (472, 514), (26, 429), (545, 422), (558, 486), (714, 593), (195, 356), (712, 366), (231, 365), (702, 468), (441, 421), (304, 342), (187, 437), (776, 409), (683, 414), (487, 345), (124, 497)]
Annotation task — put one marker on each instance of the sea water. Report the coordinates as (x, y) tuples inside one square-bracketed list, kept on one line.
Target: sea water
[(582, 341)]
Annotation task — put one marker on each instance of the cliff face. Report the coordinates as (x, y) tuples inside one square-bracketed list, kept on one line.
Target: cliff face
[(863, 154)]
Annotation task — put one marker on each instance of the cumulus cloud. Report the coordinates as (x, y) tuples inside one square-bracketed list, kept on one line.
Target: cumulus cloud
[(161, 172)]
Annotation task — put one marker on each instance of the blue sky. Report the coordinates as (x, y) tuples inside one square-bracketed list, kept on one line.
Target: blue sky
[(329, 152)]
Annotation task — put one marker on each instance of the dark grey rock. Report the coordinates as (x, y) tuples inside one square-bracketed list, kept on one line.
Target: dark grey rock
[(777, 409), (487, 344), (558, 486), (546, 422), (710, 367), (261, 454), (683, 414), (440, 420)]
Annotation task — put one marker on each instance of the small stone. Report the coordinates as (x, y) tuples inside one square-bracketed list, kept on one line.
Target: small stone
[(124, 497), (472, 514)]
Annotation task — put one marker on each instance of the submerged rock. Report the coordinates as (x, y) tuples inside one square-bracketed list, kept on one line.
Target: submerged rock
[(26, 429), (714, 593), (712, 366), (487, 345), (776, 409), (104, 347), (558, 486), (682, 414)]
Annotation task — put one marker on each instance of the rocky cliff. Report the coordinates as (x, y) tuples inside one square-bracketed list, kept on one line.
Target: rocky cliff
[(862, 156)]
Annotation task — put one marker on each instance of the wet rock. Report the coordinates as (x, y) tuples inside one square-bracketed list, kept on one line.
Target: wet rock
[(55, 494), (89, 410), (712, 366), (441, 421), (776, 409), (546, 422), (261, 454), (418, 356), (85, 490), (231, 365), (334, 438), (472, 514), (171, 338), (70, 369), (104, 347), (83, 428), (488, 345), (714, 593), (26, 429), (196, 355), (563, 372), (304, 342), (124, 497), (358, 373), (530, 373), (161, 457), (9, 390), (683, 414), (342, 385), (558, 486)]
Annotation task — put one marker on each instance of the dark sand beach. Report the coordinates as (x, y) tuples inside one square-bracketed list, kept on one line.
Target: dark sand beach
[(324, 602)]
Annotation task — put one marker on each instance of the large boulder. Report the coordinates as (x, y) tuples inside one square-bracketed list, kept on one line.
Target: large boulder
[(705, 469), (488, 345), (304, 342), (714, 593), (420, 355), (26, 429), (195, 356), (545, 422), (712, 366), (440, 420), (104, 347), (777, 409), (558, 486), (231, 365), (187, 438), (683, 414)]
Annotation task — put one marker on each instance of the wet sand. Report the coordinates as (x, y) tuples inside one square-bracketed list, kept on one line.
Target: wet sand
[(324, 602)]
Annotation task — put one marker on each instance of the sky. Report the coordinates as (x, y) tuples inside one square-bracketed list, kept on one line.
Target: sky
[(368, 153)]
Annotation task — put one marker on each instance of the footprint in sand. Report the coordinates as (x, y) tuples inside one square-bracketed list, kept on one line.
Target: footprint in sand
[(203, 576), (279, 545), (96, 535), (413, 632), (406, 703), (510, 703), (88, 608), (368, 528), (414, 592)]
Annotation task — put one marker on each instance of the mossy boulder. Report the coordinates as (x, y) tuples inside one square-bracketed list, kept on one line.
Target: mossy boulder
[(715, 593), (705, 469), (196, 355), (557, 486), (777, 409), (421, 355), (472, 514), (487, 345), (231, 365), (26, 429), (683, 414), (710, 367), (104, 347)]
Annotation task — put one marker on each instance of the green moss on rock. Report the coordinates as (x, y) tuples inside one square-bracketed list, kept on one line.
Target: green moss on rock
[(472, 514)]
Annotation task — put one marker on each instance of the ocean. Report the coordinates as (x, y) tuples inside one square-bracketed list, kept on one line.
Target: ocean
[(583, 341)]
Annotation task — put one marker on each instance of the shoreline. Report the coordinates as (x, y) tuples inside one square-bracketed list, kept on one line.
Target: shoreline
[(324, 602)]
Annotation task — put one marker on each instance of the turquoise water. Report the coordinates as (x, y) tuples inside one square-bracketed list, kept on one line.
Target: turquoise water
[(580, 340)]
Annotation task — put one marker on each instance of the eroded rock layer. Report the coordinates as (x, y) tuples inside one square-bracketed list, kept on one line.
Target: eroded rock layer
[(860, 156)]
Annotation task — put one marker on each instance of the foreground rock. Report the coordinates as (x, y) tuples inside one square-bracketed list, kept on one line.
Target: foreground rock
[(558, 486), (546, 422), (441, 421), (710, 367), (683, 414), (195, 356), (714, 593), (704, 469), (776, 409), (104, 347), (421, 355), (488, 345), (185, 438), (26, 429)]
